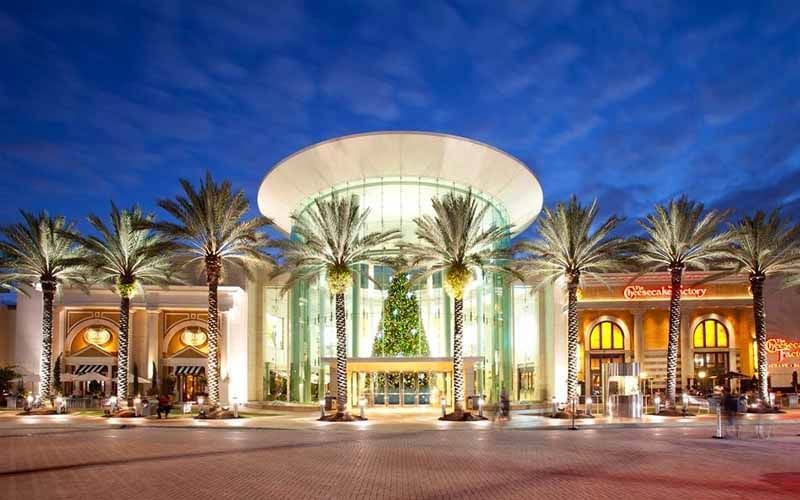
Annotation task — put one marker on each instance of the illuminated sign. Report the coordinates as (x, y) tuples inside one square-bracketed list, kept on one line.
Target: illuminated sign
[(638, 292), (96, 336), (784, 348), (193, 338)]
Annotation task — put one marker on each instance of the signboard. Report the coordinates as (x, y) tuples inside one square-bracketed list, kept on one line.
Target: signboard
[(784, 349), (638, 292)]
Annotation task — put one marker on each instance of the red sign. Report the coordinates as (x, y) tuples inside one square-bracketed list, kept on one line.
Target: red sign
[(638, 292)]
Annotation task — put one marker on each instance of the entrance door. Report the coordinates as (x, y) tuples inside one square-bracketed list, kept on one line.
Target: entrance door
[(596, 362), (393, 388)]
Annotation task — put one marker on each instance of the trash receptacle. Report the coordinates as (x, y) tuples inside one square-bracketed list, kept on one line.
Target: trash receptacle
[(329, 402)]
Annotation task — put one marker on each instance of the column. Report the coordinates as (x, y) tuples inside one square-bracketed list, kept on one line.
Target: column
[(153, 344), (638, 337), (686, 349)]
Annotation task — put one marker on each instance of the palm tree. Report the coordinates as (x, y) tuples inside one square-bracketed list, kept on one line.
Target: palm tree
[(39, 253), (679, 235), (764, 245), (453, 241), (330, 241), (568, 248), (126, 255), (212, 231)]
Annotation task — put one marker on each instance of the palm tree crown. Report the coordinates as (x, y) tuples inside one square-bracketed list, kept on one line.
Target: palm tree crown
[(765, 245), (453, 240), (330, 238), (567, 247), (681, 235), (211, 228), (127, 253), (41, 251)]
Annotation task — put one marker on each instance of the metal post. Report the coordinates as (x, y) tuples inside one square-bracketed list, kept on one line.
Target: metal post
[(588, 406), (443, 402), (574, 410), (321, 408), (480, 407), (362, 405), (685, 398), (554, 401), (719, 434)]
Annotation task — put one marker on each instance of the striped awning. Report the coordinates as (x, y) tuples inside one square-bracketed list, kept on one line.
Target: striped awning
[(188, 370), (84, 369)]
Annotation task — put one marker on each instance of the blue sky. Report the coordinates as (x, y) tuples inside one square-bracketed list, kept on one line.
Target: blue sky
[(632, 102)]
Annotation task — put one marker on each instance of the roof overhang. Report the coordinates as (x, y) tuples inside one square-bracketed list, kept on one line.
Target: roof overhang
[(400, 154)]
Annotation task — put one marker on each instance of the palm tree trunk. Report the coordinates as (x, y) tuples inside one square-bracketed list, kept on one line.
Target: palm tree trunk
[(458, 356), (45, 366), (341, 357), (122, 351), (759, 313), (572, 338), (676, 275), (212, 279)]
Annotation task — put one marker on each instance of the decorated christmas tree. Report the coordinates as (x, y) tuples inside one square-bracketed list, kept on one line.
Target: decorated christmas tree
[(400, 332)]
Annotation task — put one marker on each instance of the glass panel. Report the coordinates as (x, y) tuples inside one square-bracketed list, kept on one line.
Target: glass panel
[(699, 360), (409, 388), (722, 336), (595, 337), (710, 334), (393, 388), (618, 342), (424, 388), (698, 335), (605, 329)]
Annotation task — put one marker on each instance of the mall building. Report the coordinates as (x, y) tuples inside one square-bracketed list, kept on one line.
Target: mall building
[(281, 347)]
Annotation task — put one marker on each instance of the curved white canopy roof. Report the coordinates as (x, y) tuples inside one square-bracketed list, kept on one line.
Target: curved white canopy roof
[(403, 154)]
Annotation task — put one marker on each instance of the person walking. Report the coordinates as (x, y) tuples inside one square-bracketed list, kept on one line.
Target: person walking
[(164, 405)]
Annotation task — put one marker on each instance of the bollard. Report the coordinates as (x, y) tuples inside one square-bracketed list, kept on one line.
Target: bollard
[(321, 408), (588, 406), (362, 407), (480, 407), (685, 398), (554, 402), (719, 434), (657, 404), (443, 402), (137, 406), (235, 406)]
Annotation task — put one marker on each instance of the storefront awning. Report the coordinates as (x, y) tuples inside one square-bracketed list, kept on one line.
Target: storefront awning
[(188, 370), (84, 369)]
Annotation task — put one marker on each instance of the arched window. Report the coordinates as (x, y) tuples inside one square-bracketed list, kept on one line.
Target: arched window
[(710, 333), (606, 335)]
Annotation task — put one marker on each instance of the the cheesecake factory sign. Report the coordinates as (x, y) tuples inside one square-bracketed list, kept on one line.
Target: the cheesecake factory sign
[(638, 292), (783, 348)]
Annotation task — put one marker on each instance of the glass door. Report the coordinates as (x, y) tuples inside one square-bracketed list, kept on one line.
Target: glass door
[(423, 388), (393, 388), (409, 388)]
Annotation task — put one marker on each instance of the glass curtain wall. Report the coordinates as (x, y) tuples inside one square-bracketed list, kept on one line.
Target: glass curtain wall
[(393, 204)]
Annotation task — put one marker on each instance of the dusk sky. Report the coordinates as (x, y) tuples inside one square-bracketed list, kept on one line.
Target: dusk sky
[(632, 102)]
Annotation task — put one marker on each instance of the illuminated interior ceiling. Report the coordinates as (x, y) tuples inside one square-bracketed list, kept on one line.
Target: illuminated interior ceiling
[(496, 176)]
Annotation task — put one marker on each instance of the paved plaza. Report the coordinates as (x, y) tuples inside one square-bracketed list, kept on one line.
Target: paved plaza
[(394, 456)]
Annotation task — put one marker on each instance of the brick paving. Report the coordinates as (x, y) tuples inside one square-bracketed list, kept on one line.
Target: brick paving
[(43, 459)]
